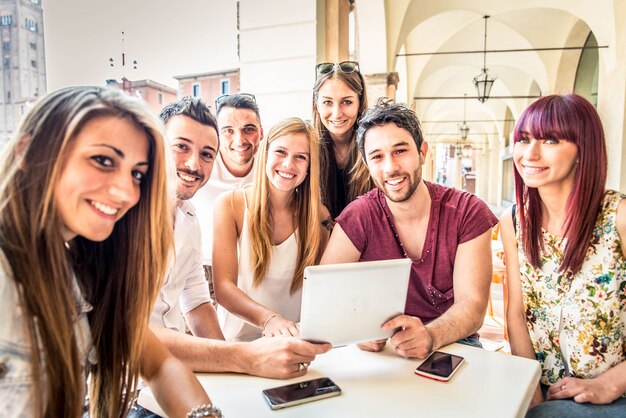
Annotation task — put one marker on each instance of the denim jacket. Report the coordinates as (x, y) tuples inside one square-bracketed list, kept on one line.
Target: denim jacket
[(17, 391)]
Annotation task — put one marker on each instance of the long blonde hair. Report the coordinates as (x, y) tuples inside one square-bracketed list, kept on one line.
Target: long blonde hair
[(119, 276), (306, 203), (359, 181)]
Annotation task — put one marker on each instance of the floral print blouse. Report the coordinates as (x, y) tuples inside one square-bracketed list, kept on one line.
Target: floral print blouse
[(577, 324)]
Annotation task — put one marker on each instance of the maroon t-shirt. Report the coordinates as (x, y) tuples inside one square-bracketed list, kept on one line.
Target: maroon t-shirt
[(455, 217)]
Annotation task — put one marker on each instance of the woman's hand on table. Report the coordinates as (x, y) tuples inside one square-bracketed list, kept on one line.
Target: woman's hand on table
[(596, 391)]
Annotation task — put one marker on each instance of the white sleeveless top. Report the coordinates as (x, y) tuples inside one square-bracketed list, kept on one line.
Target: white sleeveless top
[(273, 292)]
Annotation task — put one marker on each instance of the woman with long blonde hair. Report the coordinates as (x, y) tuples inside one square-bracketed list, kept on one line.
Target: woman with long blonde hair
[(339, 100), (265, 236), (85, 233)]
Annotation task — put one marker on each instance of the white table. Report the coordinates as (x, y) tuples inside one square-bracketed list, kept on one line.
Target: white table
[(384, 385)]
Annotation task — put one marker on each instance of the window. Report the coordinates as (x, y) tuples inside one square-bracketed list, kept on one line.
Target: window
[(6, 20), (352, 33), (586, 81), (33, 63), (225, 86), (195, 90), (6, 61), (31, 25), (160, 96), (6, 46), (33, 46), (507, 130), (508, 186)]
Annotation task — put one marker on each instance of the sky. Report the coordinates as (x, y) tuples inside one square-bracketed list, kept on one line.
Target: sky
[(166, 37)]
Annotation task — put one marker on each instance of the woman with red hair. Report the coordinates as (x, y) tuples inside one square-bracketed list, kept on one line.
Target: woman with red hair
[(566, 264)]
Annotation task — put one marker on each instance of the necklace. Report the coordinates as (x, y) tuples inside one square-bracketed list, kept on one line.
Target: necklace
[(339, 156)]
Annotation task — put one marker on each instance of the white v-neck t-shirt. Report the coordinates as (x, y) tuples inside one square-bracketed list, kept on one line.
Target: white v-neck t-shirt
[(221, 181)]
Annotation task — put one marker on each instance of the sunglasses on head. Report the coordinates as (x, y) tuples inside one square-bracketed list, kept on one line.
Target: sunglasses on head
[(220, 100), (344, 66)]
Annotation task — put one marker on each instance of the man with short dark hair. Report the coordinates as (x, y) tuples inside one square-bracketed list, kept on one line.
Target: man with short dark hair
[(184, 298), (444, 231), (240, 131)]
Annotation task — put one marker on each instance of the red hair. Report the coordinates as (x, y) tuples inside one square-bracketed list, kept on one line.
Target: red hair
[(574, 119)]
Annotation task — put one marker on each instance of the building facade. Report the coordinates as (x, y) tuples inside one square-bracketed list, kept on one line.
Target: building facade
[(23, 63), (208, 86), (157, 95)]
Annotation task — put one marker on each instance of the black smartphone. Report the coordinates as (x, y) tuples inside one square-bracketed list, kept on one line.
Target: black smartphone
[(439, 366), (302, 392)]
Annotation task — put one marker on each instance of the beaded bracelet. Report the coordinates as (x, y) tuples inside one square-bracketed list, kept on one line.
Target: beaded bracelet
[(205, 411)]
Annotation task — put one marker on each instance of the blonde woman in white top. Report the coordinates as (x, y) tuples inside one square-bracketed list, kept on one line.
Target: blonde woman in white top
[(264, 236)]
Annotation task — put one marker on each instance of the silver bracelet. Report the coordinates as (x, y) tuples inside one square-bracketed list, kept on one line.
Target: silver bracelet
[(205, 411), (269, 318)]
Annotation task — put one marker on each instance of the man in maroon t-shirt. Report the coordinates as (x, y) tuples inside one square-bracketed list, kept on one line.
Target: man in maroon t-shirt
[(446, 233)]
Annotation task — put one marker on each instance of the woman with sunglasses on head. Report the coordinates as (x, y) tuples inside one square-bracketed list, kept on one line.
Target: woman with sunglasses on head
[(85, 232), (339, 99), (565, 250), (265, 235)]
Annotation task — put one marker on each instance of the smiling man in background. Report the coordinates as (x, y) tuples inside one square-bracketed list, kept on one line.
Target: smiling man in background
[(240, 131)]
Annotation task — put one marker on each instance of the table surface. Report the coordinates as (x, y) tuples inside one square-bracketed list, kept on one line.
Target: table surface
[(488, 384)]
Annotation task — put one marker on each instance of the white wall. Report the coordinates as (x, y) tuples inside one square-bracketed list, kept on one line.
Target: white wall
[(278, 51)]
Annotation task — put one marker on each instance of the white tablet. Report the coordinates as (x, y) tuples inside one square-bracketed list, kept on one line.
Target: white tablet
[(348, 303)]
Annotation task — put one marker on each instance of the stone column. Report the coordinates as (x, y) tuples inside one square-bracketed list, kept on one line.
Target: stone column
[(381, 85), (392, 84), (337, 36)]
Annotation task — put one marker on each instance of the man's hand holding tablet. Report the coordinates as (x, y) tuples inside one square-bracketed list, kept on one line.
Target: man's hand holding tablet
[(411, 339)]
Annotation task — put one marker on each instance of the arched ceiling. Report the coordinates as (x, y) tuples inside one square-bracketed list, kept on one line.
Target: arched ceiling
[(426, 26)]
